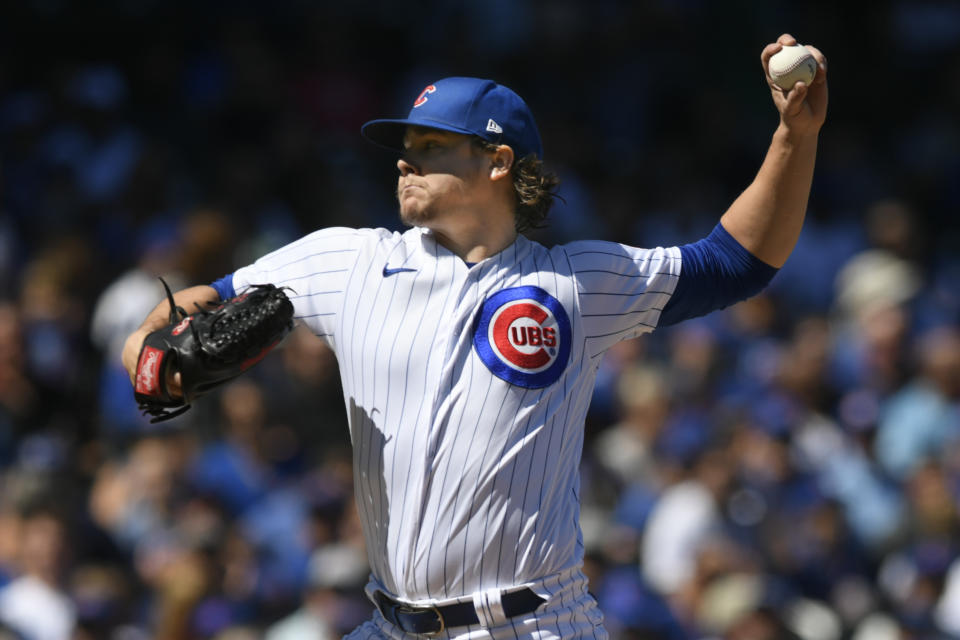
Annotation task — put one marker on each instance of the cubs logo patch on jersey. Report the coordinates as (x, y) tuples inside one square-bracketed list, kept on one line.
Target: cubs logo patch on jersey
[(523, 336)]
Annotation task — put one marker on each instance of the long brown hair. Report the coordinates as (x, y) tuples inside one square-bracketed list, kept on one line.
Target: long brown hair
[(534, 186)]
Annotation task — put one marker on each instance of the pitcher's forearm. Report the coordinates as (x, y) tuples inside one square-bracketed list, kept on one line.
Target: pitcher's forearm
[(187, 298), (768, 216)]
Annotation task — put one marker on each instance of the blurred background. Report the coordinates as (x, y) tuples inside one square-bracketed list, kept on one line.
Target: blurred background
[(786, 468)]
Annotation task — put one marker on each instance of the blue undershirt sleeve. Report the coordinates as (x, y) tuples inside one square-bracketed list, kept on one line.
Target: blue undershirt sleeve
[(224, 287), (715, 273)]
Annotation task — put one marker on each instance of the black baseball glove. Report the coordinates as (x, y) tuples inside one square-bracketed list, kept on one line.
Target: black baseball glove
[(208, 348)]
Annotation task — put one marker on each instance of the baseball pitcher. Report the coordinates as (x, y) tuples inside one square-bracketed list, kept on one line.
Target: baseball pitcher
[(468, 352)]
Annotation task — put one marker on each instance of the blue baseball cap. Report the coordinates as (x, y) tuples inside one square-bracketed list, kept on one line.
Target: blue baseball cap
[(470, 106)]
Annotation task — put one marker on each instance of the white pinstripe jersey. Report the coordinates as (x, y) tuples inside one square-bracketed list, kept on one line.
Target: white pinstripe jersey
[(466, 390)]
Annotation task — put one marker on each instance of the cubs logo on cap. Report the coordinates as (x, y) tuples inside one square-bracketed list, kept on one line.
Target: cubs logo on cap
[(523, 336)]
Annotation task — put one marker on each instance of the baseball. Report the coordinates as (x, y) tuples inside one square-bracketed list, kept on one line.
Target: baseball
[(792, 64)]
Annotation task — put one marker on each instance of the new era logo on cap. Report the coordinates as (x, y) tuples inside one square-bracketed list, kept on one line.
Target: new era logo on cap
[(470, 106)]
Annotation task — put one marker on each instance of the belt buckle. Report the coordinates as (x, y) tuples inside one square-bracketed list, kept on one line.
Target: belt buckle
[(415, 610)]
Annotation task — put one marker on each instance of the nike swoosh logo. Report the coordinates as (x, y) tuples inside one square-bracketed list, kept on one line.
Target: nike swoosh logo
[(387, 271)]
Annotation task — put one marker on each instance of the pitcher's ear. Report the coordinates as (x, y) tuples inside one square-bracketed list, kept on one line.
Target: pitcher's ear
[(501, 161)]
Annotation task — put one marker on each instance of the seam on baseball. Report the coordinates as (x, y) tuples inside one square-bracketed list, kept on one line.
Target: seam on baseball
[(795, 64)]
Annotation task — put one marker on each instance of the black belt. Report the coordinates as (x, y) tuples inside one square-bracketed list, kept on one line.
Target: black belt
[(430, 620)]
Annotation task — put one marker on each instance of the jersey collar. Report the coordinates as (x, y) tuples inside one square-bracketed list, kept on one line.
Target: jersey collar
[(512, 253)]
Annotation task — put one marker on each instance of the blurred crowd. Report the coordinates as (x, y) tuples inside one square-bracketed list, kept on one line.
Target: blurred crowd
[(786, 468)]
